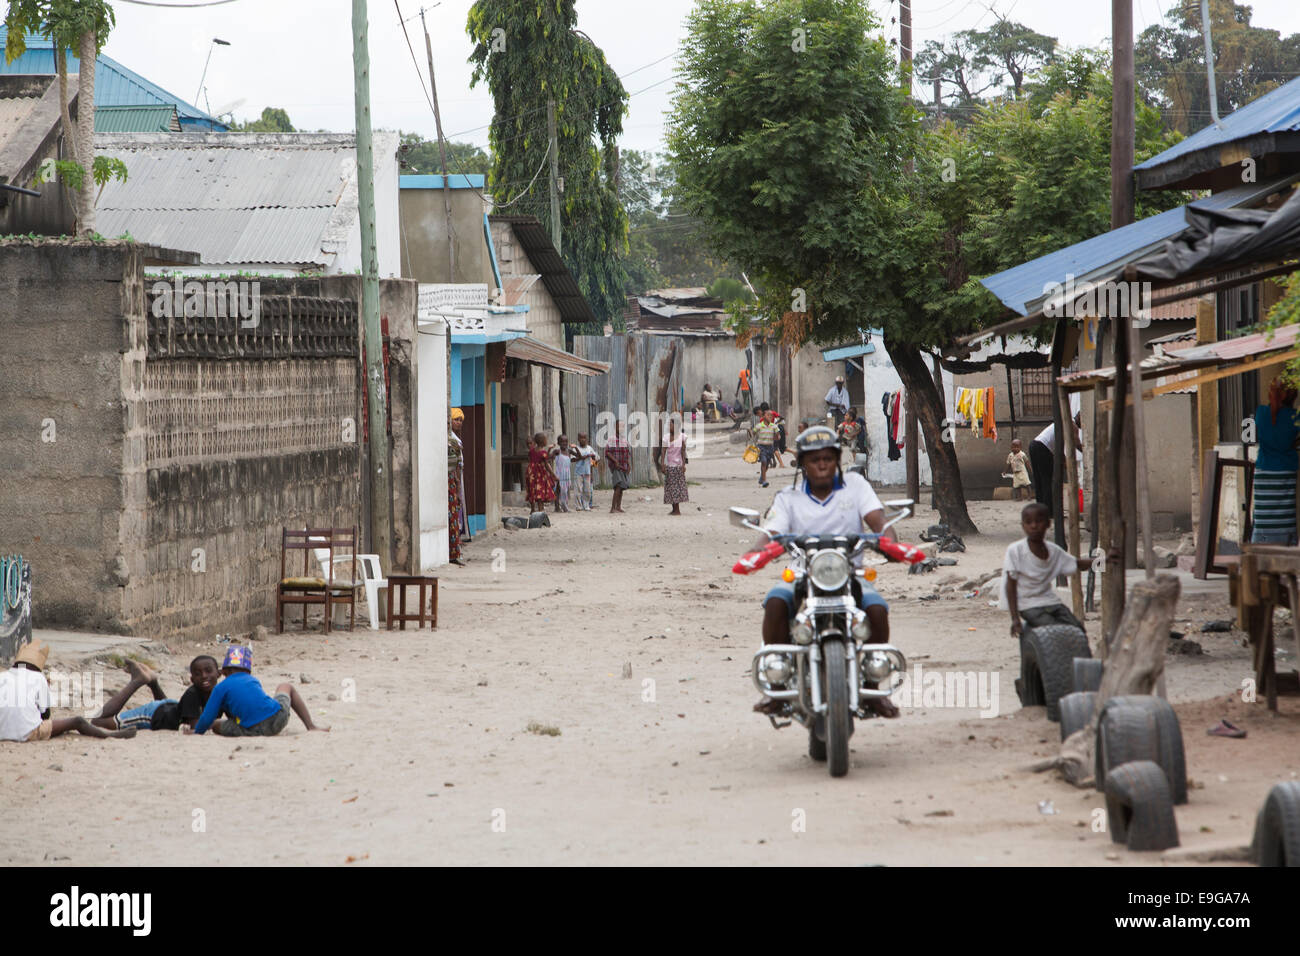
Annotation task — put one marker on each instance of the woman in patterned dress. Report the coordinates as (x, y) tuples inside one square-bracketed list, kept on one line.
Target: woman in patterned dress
[(455, 504), (671, 460)]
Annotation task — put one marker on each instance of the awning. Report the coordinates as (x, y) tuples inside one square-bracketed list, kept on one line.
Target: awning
[(847, 351), (1147, 244), (530, 350), (1198, 365)]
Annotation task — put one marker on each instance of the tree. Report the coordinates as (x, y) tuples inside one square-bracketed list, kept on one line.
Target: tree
[(528, 53), (273, 120), (977, 61), (1249, 61), (463, 159), (82, 25)]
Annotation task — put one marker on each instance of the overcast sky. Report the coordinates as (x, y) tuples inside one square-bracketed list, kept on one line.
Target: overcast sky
[(297, 54)]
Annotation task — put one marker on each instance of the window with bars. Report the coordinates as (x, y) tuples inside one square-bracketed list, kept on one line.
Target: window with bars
[(1035, 393)]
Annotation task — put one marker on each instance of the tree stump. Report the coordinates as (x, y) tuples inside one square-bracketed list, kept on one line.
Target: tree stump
[(1135, 663)]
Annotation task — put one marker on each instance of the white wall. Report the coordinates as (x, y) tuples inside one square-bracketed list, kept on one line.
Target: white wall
[(388, 226), (429, 457)]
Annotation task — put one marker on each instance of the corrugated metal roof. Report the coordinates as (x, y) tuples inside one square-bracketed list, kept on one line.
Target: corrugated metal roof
[(160, 118), (115, 85), (530, 350), (1275, 112), (556, 276), (1022, 288), (233, 197)]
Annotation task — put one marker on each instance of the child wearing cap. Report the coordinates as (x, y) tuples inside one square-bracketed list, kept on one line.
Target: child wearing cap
[(25, 703), (250, 712)]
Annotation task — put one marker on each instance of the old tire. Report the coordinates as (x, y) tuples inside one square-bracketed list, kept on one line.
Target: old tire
[(837, 707), (1139, 807), (1047, 661), (1277, 828), (1169, 740), (1124, 734), (1076, 711), (1087, 674)]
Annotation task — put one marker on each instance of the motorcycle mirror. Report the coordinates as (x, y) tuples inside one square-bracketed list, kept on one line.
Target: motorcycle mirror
[(900, 503), (859, 460), (742, 517)]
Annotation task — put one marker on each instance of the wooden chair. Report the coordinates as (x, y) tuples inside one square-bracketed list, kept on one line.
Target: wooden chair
[(309, 586)]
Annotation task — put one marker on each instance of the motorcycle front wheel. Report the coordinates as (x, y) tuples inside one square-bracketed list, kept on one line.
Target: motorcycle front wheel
[(837, 707)]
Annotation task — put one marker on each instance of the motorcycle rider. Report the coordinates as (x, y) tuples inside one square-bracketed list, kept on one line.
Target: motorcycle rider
[(823, 500)]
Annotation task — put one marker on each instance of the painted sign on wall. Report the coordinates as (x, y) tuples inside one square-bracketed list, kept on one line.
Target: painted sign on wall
[(15, 605)]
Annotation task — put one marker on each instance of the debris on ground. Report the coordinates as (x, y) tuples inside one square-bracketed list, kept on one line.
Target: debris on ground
[(1214, 627), (940, 534)]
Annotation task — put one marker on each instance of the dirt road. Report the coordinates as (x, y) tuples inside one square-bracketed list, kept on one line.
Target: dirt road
[(431, 760)]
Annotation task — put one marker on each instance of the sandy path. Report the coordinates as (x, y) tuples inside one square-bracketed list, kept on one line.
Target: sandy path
[(432, 762)]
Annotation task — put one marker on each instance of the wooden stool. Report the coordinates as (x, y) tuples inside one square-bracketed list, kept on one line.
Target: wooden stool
[(397, 585)]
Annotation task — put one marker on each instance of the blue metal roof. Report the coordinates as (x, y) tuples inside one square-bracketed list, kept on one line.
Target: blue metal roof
[(1275, 112), (434, 181), (115, 85), (1022, 287)]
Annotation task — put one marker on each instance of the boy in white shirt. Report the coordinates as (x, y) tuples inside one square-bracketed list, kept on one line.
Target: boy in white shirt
[(1029, 571), (25, 703)]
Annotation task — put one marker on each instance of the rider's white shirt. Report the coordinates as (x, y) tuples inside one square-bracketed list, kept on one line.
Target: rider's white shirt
[(795, 511)]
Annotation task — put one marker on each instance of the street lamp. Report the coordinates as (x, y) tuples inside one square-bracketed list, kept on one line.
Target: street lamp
[(215, 42)]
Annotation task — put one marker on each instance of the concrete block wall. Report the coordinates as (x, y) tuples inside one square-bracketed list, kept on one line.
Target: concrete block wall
[(72, 324)]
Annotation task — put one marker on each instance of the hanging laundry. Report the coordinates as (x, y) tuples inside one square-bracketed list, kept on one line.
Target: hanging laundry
[(990, 420), (887, 408)]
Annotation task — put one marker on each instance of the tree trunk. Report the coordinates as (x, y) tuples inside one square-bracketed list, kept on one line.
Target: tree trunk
[(89, 54), (928, 404), (1134, 666), (1112, 580)]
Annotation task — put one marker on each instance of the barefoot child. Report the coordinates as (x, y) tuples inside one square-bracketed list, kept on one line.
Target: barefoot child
[(241, 697), (1030, 569), (539, 479), (561, 462), (25, 703), (1018, 467), (586, 457), (161, 713)]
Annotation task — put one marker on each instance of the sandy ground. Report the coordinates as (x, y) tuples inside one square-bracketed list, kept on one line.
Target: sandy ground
[(433, 762)]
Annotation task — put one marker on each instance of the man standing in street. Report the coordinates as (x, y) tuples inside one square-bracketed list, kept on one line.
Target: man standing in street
[(838, 400), (743, 391), (1042, 457)]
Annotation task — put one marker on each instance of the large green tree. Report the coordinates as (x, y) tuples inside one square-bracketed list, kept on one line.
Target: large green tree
[(273, 120), (82, 26), (798, 163), (1249, 61), (529, 52), (972, 63)]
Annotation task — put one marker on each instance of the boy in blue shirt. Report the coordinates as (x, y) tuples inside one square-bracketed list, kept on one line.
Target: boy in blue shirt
[(250, 713)]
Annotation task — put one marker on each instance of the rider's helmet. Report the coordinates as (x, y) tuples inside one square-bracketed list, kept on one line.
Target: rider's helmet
[(815, 439)]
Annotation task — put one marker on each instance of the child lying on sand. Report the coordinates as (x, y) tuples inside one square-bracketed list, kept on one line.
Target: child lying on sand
[(25, 703), (163, 712)]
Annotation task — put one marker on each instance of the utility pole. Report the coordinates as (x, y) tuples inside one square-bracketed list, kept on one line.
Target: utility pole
[(911, 452), (938, 100), (1119, 516), (555, 175), (442, 153), (380, 494)]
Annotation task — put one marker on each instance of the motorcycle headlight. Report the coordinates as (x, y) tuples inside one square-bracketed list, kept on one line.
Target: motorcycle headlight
[(877, 667), (829, 570), (861, 630), (777, 669), (801, 633)]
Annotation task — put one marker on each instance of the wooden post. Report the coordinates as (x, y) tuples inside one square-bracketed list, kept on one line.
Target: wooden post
[(1072, 476), (1139, 435), (1207, 413), (1109, 482), (1058, 471), (1098, 506)]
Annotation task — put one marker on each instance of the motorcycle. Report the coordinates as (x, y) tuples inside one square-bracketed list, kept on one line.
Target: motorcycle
[(824, 677)]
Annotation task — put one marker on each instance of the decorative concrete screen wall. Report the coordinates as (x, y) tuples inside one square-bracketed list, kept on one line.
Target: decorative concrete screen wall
[(151, 461)]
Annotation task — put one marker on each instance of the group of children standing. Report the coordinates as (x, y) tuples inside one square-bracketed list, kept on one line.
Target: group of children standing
[(554, 470), (247, 709)]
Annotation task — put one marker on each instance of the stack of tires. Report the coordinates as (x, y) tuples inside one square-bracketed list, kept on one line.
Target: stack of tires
[(1047, 665)]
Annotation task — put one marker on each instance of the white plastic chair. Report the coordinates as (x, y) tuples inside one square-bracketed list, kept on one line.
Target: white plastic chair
[(372, 576)]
